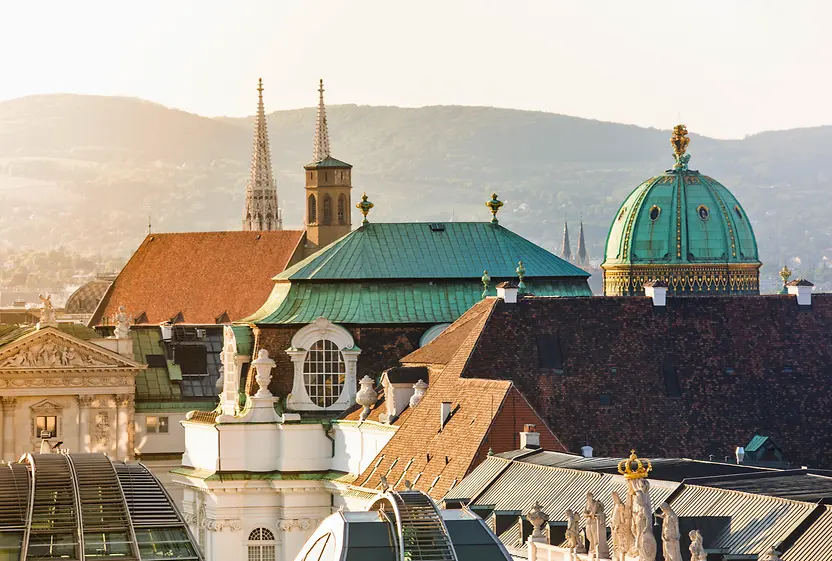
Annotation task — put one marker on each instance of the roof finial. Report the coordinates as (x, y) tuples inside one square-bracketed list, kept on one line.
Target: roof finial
[(494, 204), (485, 280), (321, 149), (785, 274), (680, 142), (149, 230), (260, 88), (521, 274), (364, 206)]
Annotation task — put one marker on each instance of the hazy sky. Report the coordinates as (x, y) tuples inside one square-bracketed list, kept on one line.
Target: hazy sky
[(728, 68)]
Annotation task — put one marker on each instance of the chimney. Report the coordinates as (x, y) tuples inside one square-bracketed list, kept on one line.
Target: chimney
[(586, 451), (740, 454), (507, 290), (529, 438), (657, 290), (445, 411), (802, 289)]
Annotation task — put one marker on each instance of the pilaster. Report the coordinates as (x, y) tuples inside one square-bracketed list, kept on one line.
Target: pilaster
[(9, 405)]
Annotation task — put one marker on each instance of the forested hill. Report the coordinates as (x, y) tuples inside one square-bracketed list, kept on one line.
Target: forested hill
[(84, 172)]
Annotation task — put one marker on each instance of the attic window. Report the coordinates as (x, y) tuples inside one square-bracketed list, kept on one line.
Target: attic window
[(193, 359), (671, 381), (787, 370), (604, 399), (156, 361), (655, 212), (549, 351), (703, 212), (437, 227), (613, 370), (729, 370)]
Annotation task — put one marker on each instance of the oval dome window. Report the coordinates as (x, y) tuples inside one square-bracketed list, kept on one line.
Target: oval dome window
[(703, 212), (655, 212)]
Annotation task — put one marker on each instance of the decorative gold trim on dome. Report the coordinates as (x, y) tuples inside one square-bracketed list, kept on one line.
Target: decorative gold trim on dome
[(684, 279), (725, 213)]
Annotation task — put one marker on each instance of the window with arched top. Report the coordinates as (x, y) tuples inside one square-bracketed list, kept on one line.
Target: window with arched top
[(327, 209), (342, 209), (324, 373), (261, 545), (312, 213)]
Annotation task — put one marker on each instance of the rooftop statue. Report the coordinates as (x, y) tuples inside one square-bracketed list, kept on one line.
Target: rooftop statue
[(670, 534), (573, 532), (122, 329), (47, 311), (697, 550), (622, 535), (596, 527)]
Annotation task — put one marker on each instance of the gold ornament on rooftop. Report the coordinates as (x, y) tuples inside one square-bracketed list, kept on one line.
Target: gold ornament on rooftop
[(785, 274), (364, 206), (680, 139), (634, 467), (494, 204)]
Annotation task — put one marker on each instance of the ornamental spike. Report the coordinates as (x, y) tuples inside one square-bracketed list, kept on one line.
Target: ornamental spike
[(494, 204)]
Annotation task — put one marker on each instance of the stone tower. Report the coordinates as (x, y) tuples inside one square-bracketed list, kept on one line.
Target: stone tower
[(328, 187), (261, 212)]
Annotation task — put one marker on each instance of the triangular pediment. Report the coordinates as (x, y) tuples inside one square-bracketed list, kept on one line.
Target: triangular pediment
[(51, 348)]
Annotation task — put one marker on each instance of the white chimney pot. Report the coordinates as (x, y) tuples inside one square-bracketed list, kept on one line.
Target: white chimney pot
[(656, 290), (529, 438), (508, 292), (445, 412), (802, 290), (586, 451), (740, 454)]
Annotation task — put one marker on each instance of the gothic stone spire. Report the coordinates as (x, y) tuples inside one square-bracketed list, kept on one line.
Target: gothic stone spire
[(321, 149), (261, 211), (581, 246), (565, 250)]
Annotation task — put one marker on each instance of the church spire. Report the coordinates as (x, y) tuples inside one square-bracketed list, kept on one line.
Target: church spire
[(581, 245), (565, 250), (321, 149), (261, 212)]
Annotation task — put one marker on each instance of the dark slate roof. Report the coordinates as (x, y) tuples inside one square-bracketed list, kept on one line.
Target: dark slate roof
[(799, 282), (798, 485), (667, 469), (407, 374), (696, 378), (415, 251)]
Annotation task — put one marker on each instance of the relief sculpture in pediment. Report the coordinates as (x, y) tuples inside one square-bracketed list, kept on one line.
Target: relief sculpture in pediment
[(51, 353)]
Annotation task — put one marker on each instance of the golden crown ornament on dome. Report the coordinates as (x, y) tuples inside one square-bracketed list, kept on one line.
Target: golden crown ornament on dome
[(634, 467), (680, 142), (494, 204)]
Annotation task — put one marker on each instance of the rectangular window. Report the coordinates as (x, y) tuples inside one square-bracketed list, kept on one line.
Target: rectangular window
[(156, 425), (604, 399), (44, 425), (671, 381), (549, 351)]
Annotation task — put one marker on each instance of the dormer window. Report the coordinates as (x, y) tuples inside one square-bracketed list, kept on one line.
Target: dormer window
[(325, 359)]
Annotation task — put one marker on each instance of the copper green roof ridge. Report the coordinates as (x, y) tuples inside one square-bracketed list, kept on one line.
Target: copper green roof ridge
[(417, 250), (328, 162)]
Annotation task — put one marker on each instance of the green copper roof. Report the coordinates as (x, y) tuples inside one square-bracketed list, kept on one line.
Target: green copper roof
[(400, 302), (421, 250), (681, 217), (328, 162), (152, 384)]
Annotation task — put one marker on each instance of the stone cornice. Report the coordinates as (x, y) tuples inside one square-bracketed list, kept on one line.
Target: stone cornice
[(75, 379)]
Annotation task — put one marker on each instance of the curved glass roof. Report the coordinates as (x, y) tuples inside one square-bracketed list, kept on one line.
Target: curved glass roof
[(85, 507)]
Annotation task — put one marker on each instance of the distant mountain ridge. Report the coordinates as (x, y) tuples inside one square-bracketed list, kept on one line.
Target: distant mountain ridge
[(86, 171)]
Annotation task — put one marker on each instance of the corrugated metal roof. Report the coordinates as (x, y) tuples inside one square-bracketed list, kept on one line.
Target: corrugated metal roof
[(558, 489), (798, 485), (757, 522), (477, 479), (815, 544), (416, 251)]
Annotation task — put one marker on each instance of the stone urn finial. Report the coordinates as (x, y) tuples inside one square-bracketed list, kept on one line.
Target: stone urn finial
[(366, 397), (263, 364), (418, 393), (538, 518)]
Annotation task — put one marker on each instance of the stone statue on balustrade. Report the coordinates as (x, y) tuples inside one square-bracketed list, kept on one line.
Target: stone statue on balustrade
[(622, 535), (596, 528), (47, 311), (122, 321), (645, 540), (574, 542), (633, 523), (671, 550), (697, 550)]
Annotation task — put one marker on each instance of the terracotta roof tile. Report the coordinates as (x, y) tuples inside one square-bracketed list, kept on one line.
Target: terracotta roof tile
[(203, 275)]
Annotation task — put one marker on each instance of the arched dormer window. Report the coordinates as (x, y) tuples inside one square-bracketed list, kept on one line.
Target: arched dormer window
[(325, 357), (312, 212), (261, 545), (327, 209), (342, 209)]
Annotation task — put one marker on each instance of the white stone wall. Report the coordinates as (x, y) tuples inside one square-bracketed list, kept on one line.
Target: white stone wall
[(160, 443), (356, 446)]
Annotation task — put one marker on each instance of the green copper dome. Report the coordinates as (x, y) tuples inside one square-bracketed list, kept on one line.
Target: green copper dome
[(684, 228)]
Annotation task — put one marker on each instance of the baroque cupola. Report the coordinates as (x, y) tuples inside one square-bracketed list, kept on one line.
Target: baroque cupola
[(328, 188), (684, 228)]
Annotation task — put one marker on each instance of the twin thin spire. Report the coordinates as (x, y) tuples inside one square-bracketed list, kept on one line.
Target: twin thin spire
[(321, 148), (261, 212), (566, 250)]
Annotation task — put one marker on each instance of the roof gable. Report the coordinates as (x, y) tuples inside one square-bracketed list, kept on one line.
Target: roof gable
[(202, 275), (417, 250), (50, 348)]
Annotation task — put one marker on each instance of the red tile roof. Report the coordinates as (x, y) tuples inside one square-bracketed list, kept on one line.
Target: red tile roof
[(201, 275), (435, 459)]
